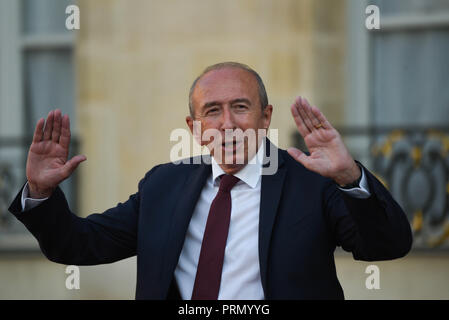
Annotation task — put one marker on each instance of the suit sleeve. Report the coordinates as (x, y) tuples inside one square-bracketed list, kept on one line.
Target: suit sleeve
[(68, 239), (372, 229)]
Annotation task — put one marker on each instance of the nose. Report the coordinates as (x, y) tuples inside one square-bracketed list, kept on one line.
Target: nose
[(227, 119)]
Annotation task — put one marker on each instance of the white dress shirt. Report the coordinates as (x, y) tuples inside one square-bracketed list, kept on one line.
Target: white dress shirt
[(241, 273)]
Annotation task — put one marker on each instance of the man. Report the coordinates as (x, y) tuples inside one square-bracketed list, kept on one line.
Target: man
[(223, 230)]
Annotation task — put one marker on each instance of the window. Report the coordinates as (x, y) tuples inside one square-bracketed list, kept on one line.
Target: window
[(37, 75), (410, 65), (398, 87)]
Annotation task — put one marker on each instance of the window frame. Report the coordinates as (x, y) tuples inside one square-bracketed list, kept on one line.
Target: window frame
[(360, 97), (14, 123)]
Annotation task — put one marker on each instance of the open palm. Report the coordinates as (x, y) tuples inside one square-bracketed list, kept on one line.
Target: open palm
[(328, 155), (47, 164)]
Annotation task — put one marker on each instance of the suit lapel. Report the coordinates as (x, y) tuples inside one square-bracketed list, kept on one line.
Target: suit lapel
[(270, 196), (186, 202)]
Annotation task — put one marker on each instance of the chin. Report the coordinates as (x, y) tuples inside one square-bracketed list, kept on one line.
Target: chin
[(232, 168)]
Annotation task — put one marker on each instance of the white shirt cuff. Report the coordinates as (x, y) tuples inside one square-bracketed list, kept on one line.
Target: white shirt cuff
[(362, 192), (29, 203)]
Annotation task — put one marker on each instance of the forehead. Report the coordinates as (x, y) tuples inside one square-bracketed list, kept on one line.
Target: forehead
[(225, 84)]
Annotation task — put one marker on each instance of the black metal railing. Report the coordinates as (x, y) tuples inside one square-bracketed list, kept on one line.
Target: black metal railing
[(413, 163), (13, 155)]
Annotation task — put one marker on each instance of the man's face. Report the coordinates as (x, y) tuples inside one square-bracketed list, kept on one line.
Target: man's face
[(226, 100)]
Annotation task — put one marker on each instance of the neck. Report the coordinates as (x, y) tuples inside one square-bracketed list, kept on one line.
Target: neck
[(235, 168), (232, 169)]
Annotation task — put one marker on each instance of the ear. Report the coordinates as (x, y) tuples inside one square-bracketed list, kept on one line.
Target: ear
[(189, 122), (266, 115), (192, 126)]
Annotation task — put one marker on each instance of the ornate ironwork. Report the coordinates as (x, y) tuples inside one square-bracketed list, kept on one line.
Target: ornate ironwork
[(6, 181), (413, 163), (13, 152)]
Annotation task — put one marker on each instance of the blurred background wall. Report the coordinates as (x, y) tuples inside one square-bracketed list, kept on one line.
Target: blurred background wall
[(124, 78)]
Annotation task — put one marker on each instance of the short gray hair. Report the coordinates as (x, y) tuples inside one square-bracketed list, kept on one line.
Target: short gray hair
[(261, 87)]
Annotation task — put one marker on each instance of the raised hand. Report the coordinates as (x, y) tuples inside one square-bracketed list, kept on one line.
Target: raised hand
[(329, 156), (47, 164)]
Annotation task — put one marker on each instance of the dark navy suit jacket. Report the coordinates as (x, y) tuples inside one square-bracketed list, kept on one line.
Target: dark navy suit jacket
[(303, 218)]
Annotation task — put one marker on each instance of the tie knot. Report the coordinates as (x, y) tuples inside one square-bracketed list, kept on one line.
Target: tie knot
[(227, 182)]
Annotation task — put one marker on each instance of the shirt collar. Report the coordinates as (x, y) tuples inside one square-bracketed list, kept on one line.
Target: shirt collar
[(250, 173)]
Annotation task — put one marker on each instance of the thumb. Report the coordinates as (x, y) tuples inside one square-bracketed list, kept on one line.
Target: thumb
[(72, 164), (299, 156)]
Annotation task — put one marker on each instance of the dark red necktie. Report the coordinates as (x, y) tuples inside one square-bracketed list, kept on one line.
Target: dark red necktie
[(210, 264)]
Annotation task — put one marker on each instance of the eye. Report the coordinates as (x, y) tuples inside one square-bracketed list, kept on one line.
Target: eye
[(213, 110), (241, 107)]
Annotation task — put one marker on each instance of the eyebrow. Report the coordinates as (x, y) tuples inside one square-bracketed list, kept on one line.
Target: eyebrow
[(215, 103), (241, 100)]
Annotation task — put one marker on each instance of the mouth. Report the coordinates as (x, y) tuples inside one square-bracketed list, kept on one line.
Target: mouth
[(230, 146)]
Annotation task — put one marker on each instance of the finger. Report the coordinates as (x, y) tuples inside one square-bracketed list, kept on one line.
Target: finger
[(49, 126), (302, 111), (299, 111), (315, 122), (64, 139), (71, 165), (299, 121), (320, 116), (56, 133), (38, 132), (299, 156)]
